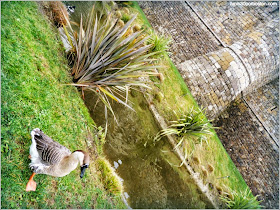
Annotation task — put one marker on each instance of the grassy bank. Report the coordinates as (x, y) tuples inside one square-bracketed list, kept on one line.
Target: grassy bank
[(33, 75), (208, 158)]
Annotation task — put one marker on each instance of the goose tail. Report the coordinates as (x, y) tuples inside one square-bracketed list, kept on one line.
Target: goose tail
[(33, 150)]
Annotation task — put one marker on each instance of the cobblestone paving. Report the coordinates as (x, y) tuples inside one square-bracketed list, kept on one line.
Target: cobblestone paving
[(250, 148), (217, 75), (265, 104), (230, 20), (190, 38)]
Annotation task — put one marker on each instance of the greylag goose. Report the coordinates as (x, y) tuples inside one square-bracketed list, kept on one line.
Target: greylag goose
[(51, 158)]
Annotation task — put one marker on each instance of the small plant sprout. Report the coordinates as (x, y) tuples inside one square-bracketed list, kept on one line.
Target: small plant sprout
[(241, 200), (108, 58)]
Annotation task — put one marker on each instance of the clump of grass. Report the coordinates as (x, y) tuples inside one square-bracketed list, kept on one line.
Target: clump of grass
[(241, 200), (136, 27), (109, 177), (204, 172), (118, 14), (159, 43), (109, 59), (219, 189), (105, 7), (57, 12), (191, 124), (125, 17), (196, 160)]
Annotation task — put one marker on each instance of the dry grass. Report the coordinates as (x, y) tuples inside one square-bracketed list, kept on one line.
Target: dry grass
[(56, 12)]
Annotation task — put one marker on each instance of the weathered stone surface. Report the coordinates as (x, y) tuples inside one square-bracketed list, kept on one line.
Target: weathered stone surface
[(251, 148), (264, 102), (230, 20), (190, 38)]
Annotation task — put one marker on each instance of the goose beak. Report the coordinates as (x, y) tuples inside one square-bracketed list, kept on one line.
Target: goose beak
[(83, 169)]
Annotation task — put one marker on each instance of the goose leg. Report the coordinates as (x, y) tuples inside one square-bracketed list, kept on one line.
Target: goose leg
[(31, 184)]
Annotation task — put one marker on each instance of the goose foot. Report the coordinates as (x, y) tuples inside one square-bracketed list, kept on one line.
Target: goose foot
[(31, 184)]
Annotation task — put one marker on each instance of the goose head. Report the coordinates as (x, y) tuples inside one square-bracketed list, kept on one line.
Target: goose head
[(83, 158)]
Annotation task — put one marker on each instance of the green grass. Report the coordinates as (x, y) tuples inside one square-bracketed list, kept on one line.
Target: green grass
[(34, 71), (125, 17), (241, 200), (176, 96)]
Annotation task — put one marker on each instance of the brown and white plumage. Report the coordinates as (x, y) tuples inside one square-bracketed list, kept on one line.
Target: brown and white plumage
[(49, 151), (50, 157)]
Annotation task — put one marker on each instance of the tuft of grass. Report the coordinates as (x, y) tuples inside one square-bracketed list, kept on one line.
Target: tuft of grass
[(110, 179), (241, 200), (105, 7), (57, 12), (210, 168), (125, 17), (196, 160), (204, 172), (188, 127), (191, 124), (159, 42), (33, 75)]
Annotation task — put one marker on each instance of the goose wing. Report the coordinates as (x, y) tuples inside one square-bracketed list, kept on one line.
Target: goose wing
[(51, 152)]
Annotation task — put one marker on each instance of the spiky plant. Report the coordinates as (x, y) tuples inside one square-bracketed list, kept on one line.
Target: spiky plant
[(159, 43), (109, 58), (241, 200), (191, 124)]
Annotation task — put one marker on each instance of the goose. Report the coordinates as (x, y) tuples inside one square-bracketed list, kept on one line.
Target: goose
[(51, 158)]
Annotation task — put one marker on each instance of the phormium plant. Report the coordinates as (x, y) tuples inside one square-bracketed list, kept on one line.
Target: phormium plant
[(109, 58)]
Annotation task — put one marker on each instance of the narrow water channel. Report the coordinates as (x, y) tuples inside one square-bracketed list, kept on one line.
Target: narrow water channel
[(149, 180)]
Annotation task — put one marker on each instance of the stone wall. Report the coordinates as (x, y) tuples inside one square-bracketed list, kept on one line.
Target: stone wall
[(264, 104), (215, 79), (245, 65)]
